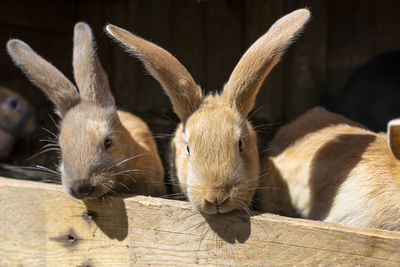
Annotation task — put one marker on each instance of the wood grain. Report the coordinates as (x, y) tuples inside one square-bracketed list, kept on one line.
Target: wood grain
[(40, 225)]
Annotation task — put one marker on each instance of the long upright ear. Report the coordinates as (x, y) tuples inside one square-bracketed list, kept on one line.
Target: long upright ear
[(185, 94), (44, 75), (89, 75), (393, 133), (248, 75)]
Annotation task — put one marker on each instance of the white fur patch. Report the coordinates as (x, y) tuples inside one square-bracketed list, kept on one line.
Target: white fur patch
[(239, 132), (61, 169), (191, 177), (100, 128), (185, 135)]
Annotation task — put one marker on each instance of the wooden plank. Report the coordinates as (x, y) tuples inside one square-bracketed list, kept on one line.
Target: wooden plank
[(42, 225)]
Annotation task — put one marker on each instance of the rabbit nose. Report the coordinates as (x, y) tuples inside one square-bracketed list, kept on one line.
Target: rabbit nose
[(81, 190), (215, 200)]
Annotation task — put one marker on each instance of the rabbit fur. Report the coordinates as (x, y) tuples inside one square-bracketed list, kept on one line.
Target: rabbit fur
[(323, 166)]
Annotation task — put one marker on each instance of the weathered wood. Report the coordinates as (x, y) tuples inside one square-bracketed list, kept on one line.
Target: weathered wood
[(41, 225)]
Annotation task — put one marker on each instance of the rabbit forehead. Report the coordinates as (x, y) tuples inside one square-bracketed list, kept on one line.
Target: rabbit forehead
[(87, 118), (216, 122)]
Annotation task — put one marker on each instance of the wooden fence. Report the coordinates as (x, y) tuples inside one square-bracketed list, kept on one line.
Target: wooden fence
[(40, 225)]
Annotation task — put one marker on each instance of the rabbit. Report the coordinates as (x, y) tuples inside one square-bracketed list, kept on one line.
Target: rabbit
[(214, 155), (323, 166), (17, 119), (103, 150)]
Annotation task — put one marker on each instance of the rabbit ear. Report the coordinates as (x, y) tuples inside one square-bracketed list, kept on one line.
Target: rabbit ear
[(185, 94), (44, 75), (89, 75), (248, 75), (393, 133)]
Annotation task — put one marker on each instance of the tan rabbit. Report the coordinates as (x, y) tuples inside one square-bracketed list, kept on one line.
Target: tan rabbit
[(214, 151), (103, 150), (324, 166), (17, 118)]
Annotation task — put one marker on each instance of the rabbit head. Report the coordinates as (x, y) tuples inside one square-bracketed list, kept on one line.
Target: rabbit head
[(16, 114), (215, 147), (94, 144)]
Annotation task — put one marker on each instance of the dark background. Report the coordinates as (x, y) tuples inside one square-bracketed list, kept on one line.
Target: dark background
[(324, 67)]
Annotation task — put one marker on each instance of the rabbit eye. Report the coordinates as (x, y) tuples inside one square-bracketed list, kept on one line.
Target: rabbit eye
[(188, 150), (107, 143), (13, 104), (240, 146)]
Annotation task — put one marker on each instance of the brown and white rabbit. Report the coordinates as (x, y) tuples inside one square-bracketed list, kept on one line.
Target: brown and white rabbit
[(103, 150), (326, 167), (214, 151), (17, 118)]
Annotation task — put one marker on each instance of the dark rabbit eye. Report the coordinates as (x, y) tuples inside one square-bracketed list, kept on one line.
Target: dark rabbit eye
[(107, 143), (13, 104), (188, 150), (240, 146)]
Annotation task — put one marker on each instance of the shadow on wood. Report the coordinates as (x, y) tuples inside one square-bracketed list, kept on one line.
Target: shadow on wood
[(109, 215), (231, 227)]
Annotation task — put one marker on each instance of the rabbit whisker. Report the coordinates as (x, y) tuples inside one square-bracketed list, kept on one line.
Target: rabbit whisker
[(127, 188), (54, 122), (49, 140), (47, 169), (265, 172), (267, 203), (50, 132), (169, 119), (113, 165), (43, 152), (254, 112), (125, 171)]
